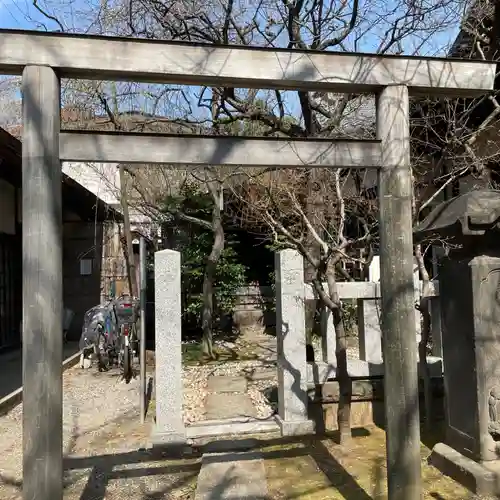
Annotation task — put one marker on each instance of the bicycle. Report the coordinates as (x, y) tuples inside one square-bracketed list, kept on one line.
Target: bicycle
[(126, 310)]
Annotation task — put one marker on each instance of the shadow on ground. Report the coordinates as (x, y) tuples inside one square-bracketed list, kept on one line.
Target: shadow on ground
[(140, 475), (311, 468), (315, 468), (135, 475)]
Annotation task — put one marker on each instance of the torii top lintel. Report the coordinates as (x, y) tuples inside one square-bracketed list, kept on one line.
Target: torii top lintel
[(158, 61)]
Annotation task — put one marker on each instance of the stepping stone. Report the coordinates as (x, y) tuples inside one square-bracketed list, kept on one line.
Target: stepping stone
[(232, 476), (223, 384), (262, 374), (221, 406)]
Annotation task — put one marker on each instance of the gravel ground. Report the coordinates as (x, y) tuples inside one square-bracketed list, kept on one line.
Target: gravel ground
[(102, 433), (102, 436), (260, 392), (195, 387)]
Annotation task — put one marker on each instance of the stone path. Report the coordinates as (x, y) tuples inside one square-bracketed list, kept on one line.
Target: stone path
[(235, 475), (227, 384), (257, 343), (232, 476), (228, 398)]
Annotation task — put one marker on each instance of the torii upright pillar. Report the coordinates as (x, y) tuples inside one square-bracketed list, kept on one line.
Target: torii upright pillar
[(398, 307), (42, 286)]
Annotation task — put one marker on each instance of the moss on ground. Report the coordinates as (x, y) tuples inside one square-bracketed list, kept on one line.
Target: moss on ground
[(321, 469), (192, 355)]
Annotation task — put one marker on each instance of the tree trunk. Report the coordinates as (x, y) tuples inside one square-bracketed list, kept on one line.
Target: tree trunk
[(129, 254), (312, 307), (345, 386), (208, 280)]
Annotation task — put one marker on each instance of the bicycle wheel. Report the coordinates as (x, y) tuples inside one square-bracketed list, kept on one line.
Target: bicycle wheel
[(127, 363), (101, 351)]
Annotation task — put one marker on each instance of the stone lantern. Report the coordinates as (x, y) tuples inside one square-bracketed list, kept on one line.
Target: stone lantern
[(469, 295)]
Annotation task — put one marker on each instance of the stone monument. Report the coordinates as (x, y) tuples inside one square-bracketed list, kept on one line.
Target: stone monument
[(169, 429), (469, 290)]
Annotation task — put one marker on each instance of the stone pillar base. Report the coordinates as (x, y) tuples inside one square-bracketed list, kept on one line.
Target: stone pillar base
[(295, 427), (481, 479), (170, 441)]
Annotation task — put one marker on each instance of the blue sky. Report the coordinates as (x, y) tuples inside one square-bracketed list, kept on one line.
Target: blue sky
[(21, 14)]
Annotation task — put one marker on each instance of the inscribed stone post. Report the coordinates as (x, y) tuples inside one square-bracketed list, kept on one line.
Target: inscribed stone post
[(328, 343), (417, 292), (369, 331), (168, 372), (291, 333), (437, 342), (435, 306)]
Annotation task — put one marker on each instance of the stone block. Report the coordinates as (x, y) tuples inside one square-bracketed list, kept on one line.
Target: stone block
[(169, 440), (474, 476), (296, 428)]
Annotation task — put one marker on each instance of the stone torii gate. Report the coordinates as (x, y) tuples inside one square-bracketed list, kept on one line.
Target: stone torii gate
[(43, 58)]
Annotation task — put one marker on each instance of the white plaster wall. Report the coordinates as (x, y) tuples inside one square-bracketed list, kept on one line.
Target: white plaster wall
[(7, 208), (102, 179)]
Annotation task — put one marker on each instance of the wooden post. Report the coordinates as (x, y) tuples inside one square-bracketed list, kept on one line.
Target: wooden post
[(42, 286), (398, 309)]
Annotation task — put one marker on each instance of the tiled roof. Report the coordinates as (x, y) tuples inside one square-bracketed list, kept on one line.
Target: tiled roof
[(476, 26)]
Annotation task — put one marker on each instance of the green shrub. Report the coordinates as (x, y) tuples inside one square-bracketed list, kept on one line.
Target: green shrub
[(194, 241)]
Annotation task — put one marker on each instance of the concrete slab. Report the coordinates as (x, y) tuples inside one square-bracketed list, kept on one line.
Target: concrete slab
[(223, 384), (229, 405), (232, 476)]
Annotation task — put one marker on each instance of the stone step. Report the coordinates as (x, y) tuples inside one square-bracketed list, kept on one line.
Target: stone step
[(231, 427), (226, 384), (229, 405), (232, 476)]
